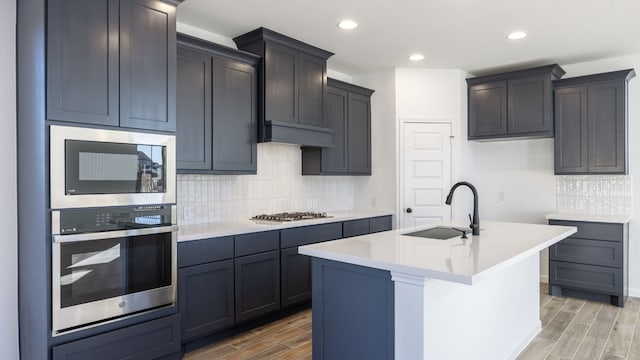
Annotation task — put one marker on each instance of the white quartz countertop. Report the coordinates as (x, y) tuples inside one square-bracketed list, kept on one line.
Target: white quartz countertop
[(466, 261), (245, 226), (615, 219)]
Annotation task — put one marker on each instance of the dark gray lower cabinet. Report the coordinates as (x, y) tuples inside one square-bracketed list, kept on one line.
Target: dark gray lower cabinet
[(257, 283), (296, 268), (353, 312), (366, 226), (296, 276), (150, 340), (206, 298), (592, 263)]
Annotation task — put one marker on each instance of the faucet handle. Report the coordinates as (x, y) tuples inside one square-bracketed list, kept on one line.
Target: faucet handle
[(470, 222)]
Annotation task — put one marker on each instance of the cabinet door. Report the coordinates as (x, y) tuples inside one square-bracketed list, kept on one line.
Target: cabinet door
[(281, 85), (487, 109), (193, 110), (529, 106), (296, 277), (334, 160), (82, 61), (257, 280), (607, 133), (313, 82), (205, 298), (359, 134), (147, 65), (234, 116), (571, 138)]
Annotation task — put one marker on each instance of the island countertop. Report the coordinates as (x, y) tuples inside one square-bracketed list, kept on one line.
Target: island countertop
[(466, 261)]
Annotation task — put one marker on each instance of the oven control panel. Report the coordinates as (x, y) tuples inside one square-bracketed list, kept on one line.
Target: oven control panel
[(76, 221)]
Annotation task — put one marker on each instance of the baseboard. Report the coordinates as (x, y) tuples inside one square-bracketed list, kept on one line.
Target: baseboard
[(526, 342), (634, 292), (544, 279)]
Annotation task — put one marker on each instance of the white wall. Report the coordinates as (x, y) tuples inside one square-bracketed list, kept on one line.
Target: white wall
[(379, 189), (8, 187)]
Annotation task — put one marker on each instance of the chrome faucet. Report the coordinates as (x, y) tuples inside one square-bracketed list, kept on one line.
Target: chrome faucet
[(475, 221)]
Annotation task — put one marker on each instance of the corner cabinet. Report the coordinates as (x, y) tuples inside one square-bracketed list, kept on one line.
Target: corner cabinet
[(112, 63), (348, 114), (591, 124), (591, 264), (513, 104), (216, 108), (292, 88)]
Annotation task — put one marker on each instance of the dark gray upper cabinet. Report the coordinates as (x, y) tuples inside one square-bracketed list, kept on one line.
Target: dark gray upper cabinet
[(489, 104), (112, 63), (216, 109), (82, 61), (193, 110), (591, 124), (348, 113), (513, 104), (292, 84)]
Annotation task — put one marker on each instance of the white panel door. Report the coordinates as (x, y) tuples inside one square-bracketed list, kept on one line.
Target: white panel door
[(426, 173)]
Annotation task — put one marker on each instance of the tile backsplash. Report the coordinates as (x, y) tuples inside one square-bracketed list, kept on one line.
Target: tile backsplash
[(594, 194), (277, 187)]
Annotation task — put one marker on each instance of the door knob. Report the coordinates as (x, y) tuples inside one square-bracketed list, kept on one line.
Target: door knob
[(408, 210)]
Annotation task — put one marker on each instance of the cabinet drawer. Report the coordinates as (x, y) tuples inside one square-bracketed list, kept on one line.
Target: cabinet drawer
[(150, 340), (355, 227), (591, 252), (586, 277), (595, 231), (203, 251), (382, 223), (310, 234), (257, 242)]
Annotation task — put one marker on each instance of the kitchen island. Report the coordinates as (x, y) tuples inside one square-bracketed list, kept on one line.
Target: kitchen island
[(389, 295)]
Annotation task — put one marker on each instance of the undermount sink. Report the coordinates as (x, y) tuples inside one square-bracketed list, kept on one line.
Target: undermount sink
[(440, 233)]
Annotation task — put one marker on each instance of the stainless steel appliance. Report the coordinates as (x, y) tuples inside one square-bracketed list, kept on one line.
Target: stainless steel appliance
[(288, 216), (109, 262), (97, 167)]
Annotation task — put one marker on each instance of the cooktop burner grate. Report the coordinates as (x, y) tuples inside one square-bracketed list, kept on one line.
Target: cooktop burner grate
[(286, 216)]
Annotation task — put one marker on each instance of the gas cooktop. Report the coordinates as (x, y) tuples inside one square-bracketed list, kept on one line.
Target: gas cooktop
[(286, 216)]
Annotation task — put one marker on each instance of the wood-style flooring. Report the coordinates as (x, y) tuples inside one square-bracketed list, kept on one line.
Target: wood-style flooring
[(572, 329)]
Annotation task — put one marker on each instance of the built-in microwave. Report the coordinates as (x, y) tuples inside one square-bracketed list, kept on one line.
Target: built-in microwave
[(97, 167)]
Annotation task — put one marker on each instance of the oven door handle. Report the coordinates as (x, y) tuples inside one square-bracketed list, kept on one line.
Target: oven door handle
[(113, 234)]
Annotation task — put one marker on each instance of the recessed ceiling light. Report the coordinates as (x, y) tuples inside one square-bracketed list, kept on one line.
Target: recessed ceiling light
[(416, 57), (347, 24), (517, 35)]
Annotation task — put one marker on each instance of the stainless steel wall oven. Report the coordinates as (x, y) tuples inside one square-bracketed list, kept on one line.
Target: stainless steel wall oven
[(109, 262)]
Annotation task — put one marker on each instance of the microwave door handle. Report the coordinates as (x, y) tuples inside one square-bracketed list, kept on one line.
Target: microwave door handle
[(113, 234)]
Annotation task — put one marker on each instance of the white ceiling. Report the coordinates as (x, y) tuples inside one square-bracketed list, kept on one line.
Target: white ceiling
[(461, 34)]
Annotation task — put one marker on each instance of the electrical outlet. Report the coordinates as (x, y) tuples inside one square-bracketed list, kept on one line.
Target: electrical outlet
[(501, 196)]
